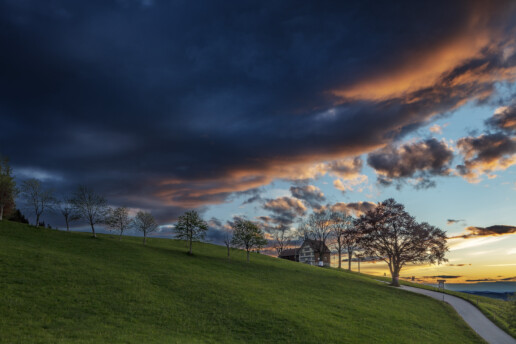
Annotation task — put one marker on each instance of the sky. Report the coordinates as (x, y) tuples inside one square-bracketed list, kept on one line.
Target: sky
[(273, 111)]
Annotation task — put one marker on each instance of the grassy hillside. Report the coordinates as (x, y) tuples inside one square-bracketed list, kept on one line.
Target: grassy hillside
[(59, 287), (498, 311)]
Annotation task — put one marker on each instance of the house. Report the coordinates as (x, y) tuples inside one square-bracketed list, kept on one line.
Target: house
[(309, 253), (290, 254)]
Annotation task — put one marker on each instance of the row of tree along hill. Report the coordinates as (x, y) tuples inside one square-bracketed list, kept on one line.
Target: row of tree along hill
[(92, 208), (386, 232)]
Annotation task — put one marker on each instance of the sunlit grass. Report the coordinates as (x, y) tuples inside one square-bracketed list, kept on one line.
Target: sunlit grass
[(59, 287)]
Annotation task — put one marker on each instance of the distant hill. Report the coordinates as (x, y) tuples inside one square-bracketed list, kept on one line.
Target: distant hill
[(59, 287)]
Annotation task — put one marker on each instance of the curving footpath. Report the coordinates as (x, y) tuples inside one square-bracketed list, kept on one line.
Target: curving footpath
[(475, 319)]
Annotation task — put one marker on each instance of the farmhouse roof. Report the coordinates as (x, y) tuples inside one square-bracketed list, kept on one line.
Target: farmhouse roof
[(289, 252), (316, 245)]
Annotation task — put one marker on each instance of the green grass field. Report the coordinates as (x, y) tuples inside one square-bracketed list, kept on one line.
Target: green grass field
[(59, 287), (497, 311)]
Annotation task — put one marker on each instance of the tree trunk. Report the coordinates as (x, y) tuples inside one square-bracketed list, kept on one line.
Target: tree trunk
[(37, 220), (340, 258), (358, 265), (93, 230), (144, 238), (1, 212), (248, 256), (350, 256), (395, 277), (228, 252), (120, 236), (67, 225), (190, 251)]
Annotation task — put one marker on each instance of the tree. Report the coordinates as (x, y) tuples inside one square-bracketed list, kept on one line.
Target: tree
[(228, 236), (7, 187), (17, 216), (318, 227), (391, 234), (145, 223), (37, 197), (281, 240), (191, 227), (67, 210), (89, 206), (248, 235), (345, 235), (118, 220)]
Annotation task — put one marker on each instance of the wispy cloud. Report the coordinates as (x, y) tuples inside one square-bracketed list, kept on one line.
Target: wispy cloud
[(460, 244)]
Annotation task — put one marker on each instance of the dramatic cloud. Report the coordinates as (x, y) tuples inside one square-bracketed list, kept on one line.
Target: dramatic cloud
[(167, 107), (311, 194), (504, 118), (485, 154), (497, 230), (284, 210), (419, 160), (354, 208)]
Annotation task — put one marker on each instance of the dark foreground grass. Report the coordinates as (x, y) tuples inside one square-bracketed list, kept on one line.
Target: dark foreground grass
[(58, 287), (498, 311)]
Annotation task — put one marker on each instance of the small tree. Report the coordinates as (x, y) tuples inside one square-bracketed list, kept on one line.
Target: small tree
[(145, 223), (67, 210), (191, 227), (37, 198), (248, 235), (118, 220), (89, 206), (345, 236), (228, 236), (7, 187), (391, 234)]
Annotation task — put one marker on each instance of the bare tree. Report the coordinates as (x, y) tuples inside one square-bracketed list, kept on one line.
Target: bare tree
[(228, 236), (118, 220), (67, 210), (345, 235), (145, 223), (282, 239), (191, 227), (37, 198), (390, 233), (7, 187), (90, 206), (247, 235), (318, 227)]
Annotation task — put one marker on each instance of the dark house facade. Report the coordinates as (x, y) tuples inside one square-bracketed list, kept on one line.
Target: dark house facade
[(311, 252)]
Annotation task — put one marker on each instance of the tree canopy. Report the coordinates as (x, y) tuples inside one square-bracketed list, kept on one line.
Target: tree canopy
[(247, 235), (389, 233), (190, 226)]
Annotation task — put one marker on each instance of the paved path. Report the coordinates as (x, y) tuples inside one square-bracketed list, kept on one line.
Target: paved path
[(475, 319)]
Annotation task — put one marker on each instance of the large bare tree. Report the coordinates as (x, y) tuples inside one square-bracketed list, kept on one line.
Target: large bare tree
[(282, 239), (191, 227), (7, 187), (90, 206), (38, 198), (345, 235), (118, 220), (145, 223), (391, 234)]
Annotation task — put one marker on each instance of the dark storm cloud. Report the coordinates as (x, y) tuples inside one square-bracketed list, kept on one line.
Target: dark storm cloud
[(496, 230), (173, 105), (311, 194), (420, 160)]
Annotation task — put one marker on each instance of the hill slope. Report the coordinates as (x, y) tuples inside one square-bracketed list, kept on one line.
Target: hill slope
[(67, 287)]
